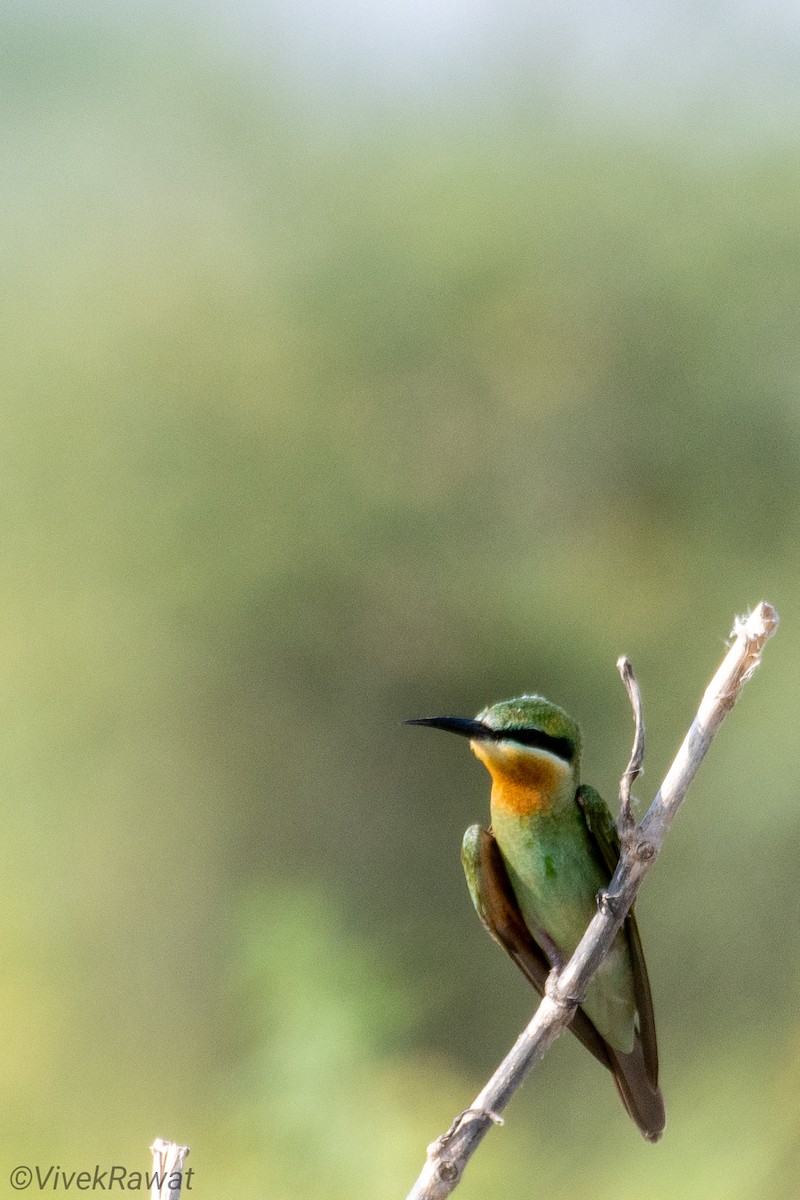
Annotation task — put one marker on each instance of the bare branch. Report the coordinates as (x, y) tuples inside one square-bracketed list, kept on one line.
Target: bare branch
[(448, 1155)]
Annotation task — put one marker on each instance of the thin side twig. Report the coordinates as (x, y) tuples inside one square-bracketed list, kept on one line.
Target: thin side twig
[(636, 761), (448, 1156)]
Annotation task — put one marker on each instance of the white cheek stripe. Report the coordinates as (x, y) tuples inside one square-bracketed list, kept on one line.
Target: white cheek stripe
[(501, 749)]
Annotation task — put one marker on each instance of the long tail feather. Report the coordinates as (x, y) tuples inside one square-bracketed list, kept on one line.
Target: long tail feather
[(643, 1101)]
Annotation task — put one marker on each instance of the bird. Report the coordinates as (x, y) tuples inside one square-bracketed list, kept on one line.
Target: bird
[(534, 876)]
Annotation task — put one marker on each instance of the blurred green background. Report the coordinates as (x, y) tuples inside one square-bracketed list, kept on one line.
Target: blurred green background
[(335, 394)]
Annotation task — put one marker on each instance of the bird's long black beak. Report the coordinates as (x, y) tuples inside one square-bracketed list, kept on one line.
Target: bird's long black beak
[(460, 725)]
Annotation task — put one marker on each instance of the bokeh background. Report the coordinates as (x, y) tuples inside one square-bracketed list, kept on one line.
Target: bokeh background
[(365, 361)]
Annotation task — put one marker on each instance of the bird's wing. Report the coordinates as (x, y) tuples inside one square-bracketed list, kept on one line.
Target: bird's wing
[(603, 831), (497, 907)]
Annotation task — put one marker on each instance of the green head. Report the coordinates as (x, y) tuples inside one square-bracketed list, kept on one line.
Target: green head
[(534, 721)]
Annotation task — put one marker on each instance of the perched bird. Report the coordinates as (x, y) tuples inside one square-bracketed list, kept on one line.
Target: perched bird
[(534, 876)]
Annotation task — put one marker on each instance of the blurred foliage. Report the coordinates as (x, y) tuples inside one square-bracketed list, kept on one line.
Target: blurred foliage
[(309, 429)]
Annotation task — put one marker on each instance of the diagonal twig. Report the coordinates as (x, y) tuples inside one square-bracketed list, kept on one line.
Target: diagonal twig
[(448, 1156)]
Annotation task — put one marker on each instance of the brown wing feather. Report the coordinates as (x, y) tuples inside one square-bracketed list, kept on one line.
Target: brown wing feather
[(644, 1000), (499, 912), (500, 915)]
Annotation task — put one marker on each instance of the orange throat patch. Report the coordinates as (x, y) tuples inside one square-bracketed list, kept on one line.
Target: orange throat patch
[(523, 781)]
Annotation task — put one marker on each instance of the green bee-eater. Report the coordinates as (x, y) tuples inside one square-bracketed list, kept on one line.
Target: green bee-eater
[(534, 876)]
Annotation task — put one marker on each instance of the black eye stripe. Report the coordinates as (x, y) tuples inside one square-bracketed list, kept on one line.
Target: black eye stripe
[(561, 746), (479, 731)]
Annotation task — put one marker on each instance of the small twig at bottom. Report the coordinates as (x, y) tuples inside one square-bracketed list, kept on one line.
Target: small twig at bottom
[(168, 1177)]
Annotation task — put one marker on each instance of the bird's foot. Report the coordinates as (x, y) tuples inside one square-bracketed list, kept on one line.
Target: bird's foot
[(607, 902), (554, 992), (469, 1114)]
